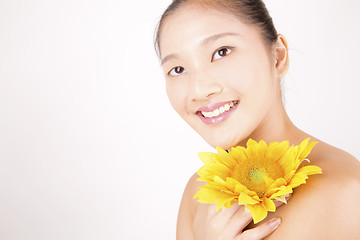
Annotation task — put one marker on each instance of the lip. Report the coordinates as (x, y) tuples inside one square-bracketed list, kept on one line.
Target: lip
[(214, 120), (213, 106)]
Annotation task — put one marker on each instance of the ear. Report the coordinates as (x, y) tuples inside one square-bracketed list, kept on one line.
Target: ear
[(281, 55)]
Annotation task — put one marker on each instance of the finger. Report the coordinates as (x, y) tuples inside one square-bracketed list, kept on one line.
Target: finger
[(227, 213), (223, 217), (278, 203), (217, 219), (211, 212), (238, 222), (261, 231)]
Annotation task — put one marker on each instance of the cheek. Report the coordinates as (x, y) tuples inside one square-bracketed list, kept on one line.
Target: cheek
[(237, 78), (176, 97), (249, 74)]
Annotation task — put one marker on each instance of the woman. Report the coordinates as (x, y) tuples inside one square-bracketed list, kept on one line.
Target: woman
[(223, 62)]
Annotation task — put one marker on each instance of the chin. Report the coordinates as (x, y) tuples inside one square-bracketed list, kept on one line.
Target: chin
[(223, 143), (225, 139)]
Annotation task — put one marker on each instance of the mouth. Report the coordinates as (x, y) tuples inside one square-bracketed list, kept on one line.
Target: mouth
[(217, 112)]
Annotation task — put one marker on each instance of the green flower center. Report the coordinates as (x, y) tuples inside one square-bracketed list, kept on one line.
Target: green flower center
[(251, 174), (256, 175)]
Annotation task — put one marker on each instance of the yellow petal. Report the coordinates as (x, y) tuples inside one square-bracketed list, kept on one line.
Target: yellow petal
[(251, 146), (226, 202), (254, 149), (302, 174), (246, 199), (241, 188), (281, 199), (269, 205), (276, 150), (238, 153), (262, 147), (268, 180), (219, 180), (305, 148), (210, 195), (278, 183), (287, 161), (230, 185), (207, 157), (297, 180), (226, 158), (289, 175), (214, 169), (258, 212), (280, 191), (234, 185), (310, 170), (303, 145)]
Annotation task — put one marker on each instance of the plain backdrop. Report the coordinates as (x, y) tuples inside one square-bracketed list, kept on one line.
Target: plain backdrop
[(90, 148)]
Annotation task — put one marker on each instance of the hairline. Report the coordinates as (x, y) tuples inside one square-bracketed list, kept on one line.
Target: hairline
[(206, 5)]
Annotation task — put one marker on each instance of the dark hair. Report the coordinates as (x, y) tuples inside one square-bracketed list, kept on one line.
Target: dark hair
[(249, 11)]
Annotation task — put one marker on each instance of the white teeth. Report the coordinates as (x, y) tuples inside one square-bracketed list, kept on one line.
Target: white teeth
[(206, 114), (220, 110)]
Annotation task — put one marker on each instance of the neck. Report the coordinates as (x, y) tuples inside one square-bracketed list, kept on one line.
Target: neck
[(278, 127)]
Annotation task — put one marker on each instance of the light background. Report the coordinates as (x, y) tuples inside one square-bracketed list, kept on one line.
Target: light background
[(90, 148)]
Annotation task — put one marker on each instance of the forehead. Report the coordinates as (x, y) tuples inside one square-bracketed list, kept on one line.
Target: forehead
[(190, 25)]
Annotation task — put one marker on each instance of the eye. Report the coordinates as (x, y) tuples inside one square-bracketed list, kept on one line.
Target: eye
[(177, 71), (220, 53)]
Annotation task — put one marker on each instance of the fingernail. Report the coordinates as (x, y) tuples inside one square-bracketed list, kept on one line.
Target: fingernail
[(274, 223)]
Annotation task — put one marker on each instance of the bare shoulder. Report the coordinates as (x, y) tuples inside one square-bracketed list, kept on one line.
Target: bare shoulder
[(187, 209), (327, 206)]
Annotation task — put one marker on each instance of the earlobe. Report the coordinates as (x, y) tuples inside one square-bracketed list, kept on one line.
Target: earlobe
[(281, 55)]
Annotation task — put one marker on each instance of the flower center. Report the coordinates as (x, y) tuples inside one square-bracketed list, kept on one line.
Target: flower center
[(256, 175), (251, 174)]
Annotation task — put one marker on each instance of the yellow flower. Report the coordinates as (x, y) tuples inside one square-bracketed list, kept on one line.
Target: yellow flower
[(254, 176)]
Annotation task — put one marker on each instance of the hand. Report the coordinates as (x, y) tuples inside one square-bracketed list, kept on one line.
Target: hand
[(229, 223)]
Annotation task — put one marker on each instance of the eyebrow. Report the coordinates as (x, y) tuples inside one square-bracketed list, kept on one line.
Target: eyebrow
[(205, 41)]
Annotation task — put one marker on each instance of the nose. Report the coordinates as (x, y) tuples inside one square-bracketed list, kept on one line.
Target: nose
[(204, 86)]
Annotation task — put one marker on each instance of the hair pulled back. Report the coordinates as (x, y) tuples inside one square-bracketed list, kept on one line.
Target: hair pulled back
[(249, 11)]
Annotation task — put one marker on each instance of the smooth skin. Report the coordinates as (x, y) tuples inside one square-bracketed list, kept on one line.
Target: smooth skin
[(219, 58)]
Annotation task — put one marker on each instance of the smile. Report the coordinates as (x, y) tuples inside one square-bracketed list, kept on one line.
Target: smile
[(220, 110), (217, 112)]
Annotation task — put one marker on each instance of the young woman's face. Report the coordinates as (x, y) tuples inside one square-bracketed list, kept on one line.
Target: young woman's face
[(220, 74)]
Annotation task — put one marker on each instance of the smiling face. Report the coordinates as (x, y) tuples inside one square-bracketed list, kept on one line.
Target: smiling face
[(221, 76)]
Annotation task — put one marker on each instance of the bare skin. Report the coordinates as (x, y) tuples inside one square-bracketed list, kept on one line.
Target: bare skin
[(326, 207), (216, 59)]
